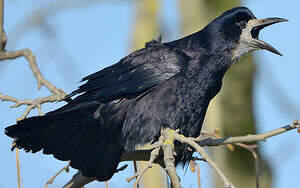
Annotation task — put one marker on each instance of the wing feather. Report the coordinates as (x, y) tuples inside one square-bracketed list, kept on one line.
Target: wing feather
[(132, 75)]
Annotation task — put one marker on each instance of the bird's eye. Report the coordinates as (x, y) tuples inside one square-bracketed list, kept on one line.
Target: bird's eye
[(242, 24)]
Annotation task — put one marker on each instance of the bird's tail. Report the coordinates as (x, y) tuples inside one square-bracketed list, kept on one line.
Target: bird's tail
[(71, 135)]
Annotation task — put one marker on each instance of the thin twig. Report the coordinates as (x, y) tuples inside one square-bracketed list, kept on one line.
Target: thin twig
[(198, 175), (195, 167), (18, 168), (56, 174), (200, 150), (249, 138), (140, 173), (250, 148), (36, 103), (33, 65)]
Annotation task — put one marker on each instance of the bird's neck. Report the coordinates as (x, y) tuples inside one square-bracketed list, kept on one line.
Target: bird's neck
[(206, 66), (192, 44), (204, 42), (211, 55), (204, 75)]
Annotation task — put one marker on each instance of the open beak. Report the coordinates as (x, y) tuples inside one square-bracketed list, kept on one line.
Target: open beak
[(253, 28)]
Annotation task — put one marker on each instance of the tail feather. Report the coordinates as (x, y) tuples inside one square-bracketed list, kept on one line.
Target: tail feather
[(94, 156), (65, 153), (116, 156), (59, 138), (72, 135), (23, 135)]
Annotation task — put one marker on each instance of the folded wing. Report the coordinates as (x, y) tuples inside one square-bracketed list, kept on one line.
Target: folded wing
[(132, 75)]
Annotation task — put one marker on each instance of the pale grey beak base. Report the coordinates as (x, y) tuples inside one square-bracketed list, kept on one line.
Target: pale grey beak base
[(260, 24), (249, 41)]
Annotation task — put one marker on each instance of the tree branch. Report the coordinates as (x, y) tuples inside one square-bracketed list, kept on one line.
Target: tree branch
[(168, 149), (58, 94), (145, 155), (250, 148), (4, 55), (249, 138)]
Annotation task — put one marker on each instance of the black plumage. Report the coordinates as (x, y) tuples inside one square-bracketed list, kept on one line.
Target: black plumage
[(163, 84)]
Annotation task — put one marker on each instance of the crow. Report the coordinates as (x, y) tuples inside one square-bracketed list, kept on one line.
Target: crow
[(126, 104)]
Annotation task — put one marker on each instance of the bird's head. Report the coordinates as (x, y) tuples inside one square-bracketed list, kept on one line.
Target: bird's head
[(239, 29)]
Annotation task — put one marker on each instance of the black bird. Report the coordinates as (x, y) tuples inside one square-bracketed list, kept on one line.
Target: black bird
[(163, 84)]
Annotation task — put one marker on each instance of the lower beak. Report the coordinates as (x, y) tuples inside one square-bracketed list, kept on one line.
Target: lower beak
[(257, 25)]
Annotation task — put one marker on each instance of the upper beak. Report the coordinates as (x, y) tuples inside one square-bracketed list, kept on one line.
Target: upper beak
[(256, 26)]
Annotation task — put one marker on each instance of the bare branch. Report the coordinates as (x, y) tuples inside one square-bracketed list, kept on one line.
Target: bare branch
[(34, 68), (58, 94), (250, 148), (168, 149), (19, 177), (249, 138), (144, 155)]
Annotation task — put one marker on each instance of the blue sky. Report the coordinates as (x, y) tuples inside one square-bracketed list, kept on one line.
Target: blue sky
[(91, 38)]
